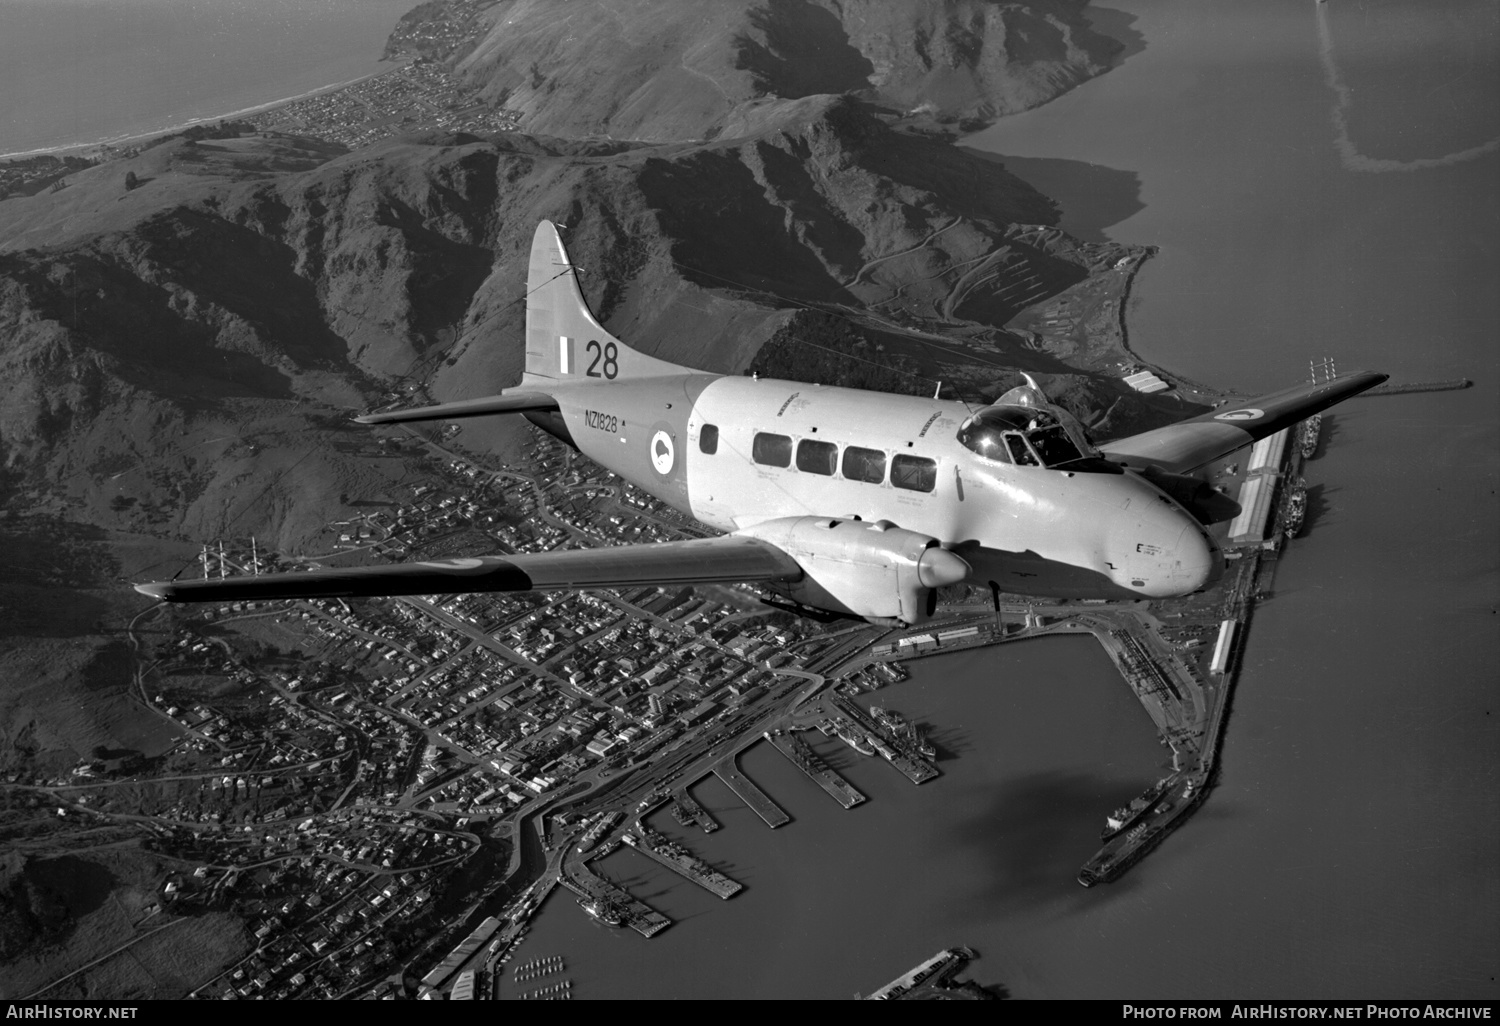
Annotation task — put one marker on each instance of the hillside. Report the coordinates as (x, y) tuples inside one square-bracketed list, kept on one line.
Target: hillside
[(665, 70)]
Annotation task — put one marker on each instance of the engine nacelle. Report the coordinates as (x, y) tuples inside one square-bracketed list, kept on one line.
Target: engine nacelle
[(870, 569)]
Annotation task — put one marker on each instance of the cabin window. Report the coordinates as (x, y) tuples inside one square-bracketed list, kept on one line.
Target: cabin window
[(817, 457), (866, 465), (914, 473), (708, 439), (1018, 450), (771, 450)]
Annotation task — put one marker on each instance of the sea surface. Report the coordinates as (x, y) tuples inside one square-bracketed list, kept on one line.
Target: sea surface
[(1321, 179), (76, 72)]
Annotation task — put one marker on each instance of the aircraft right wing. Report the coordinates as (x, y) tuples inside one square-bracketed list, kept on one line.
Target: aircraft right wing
[(731, 558), (1190, 444)]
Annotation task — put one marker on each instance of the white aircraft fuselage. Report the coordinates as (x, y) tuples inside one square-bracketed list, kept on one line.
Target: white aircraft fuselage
[(1028, 529)]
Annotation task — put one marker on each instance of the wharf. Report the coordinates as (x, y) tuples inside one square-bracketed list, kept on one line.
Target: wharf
[(697, 813), (935, 974), (643, 919), (1124, 850), (684, 863), (745, 790), (1418, 386), (822, 774), (913, 768)]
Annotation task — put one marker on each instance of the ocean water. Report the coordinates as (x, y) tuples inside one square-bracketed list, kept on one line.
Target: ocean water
[(1321, 179), (84, 71)]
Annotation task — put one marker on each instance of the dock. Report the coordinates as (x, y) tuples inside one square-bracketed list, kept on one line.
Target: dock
[(644, 919), (912, 767), (811, 763), (934, 975), (1406, 388), (745, 790), (697, 813), (684, 863)]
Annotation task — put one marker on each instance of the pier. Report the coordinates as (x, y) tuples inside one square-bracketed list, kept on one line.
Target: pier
[(934, 975), (822, 774), (745, 790), (684, 863), (913, 768), (1417, 386), (697, 813), (643, 919)]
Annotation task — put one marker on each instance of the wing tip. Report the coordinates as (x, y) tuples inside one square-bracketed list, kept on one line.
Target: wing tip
[(160, 590)]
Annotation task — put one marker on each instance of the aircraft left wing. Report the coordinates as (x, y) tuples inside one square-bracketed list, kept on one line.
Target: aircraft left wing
[(731, 558), (511, 402), (1190, 444)]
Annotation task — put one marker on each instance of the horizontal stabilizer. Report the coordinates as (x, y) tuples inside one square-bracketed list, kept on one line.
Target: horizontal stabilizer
[(513, 402), (1190, 444), (701, 561)]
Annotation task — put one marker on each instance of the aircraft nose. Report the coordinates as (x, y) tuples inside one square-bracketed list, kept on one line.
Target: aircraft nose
[(1170, 558)]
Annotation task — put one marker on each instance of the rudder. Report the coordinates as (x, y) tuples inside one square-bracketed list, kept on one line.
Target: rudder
[(564, 342)]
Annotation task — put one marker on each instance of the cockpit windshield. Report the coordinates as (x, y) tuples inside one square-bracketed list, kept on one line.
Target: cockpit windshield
[(1053, 445), (1025, 436)]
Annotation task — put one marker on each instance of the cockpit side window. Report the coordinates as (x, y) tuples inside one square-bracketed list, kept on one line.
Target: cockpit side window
[(708, 439), (1018, 450), (1053, 445)]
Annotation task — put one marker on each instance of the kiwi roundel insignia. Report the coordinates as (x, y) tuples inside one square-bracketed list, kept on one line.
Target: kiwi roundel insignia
[(663, 453), (1248, 413)]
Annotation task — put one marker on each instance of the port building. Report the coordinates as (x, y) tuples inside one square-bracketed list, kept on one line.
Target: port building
[(1255, 510), (460, 954), (1145, 381), (1266, 455), (1220, 662)]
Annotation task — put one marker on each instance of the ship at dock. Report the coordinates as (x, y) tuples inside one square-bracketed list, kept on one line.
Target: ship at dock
[(1308, 433), (1125, 815), (903, 732), (1294, 508), (854, 738), (602, 911)]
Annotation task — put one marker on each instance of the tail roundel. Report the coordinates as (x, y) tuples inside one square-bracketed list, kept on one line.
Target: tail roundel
[(564, 342)]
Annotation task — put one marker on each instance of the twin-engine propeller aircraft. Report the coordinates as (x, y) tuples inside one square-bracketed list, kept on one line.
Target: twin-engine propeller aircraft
[(851, 502)]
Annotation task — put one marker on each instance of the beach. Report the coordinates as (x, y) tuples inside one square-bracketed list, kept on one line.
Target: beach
[(81, 74)]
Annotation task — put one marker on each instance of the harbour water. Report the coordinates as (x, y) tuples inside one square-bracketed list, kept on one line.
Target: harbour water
[(1321, 181), (83, 71)]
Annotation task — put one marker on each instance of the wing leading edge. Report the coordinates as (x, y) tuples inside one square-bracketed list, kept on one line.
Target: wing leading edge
[(1189, 444), (731, 558), (511, 402)]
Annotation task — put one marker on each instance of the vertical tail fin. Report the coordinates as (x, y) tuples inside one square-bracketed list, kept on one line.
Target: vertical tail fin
[(564, 343)]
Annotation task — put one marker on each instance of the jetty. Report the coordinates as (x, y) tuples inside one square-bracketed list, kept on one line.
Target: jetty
[(1452, 385), (912, 767), (641, 917), (810, 762), (684, 863), (696, 812), (745, 790)]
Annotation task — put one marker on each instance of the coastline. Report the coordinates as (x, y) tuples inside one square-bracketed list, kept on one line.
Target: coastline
[(134, 136)]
